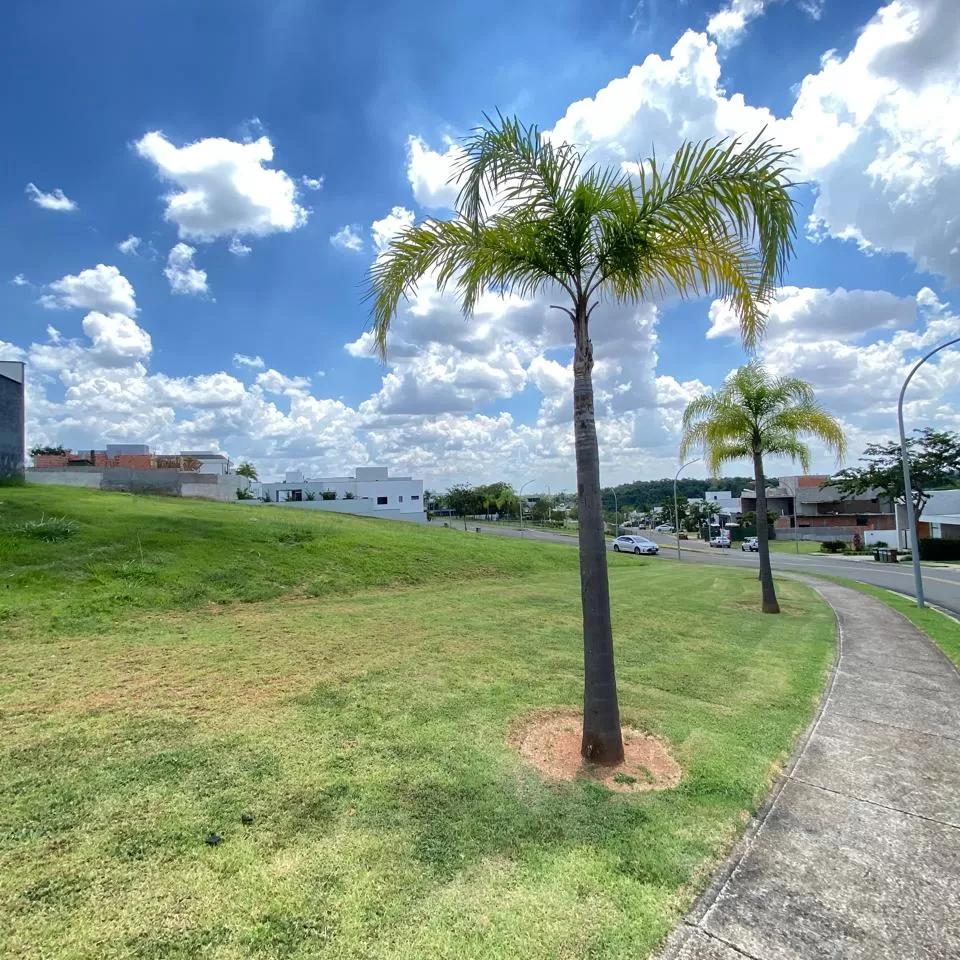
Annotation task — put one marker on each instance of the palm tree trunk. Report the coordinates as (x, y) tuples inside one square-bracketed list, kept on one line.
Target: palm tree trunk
[(602, 740), (768, 593)]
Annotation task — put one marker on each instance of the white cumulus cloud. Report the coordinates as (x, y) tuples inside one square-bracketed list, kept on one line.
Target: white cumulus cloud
[(184, 277), (431, 173), (56, 199), (130, 245), (395, 222), (253, 363), (224, 188), (348, 238), (102, 288)]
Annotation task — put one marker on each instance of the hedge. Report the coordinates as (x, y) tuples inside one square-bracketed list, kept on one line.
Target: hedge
[(937, 549)]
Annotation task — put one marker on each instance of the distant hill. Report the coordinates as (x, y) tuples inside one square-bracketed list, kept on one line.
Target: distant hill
[(645, 494)]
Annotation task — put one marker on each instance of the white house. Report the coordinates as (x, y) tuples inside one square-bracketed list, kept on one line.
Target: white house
[(210, 462), (723, 502), (370, 492)]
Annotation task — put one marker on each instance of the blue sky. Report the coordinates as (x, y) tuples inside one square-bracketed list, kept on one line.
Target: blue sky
[(206, 129)]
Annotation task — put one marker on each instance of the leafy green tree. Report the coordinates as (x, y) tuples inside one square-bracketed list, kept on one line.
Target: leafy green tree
[(934, 462), (755, 415), (248, 470), (531, 218)]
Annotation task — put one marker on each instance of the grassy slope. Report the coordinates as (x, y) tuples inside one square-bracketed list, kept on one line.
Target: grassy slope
[(943, 630), (366, 733), (137, 552)]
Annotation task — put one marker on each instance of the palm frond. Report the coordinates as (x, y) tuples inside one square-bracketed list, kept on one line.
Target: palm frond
[(754, 413), (510, 159), (721, 191)]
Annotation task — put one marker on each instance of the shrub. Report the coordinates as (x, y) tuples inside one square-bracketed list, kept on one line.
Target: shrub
[(879, 545), (937, 549), (833, 546), (50, 529), (329, 494), (310, 496), (41, 451), (349, 495), (244, 494)]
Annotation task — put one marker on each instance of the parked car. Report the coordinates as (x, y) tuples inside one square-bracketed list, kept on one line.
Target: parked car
[(664, 528), (721, 541), (634, 544), (750, 544)]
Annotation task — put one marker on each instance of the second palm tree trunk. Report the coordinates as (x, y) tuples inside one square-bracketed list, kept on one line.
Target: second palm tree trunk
[(768, 592), (602, 738)]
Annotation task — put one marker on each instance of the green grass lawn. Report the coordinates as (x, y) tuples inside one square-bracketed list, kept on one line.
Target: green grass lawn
[(943, 630), (350, 685), (790, 546)]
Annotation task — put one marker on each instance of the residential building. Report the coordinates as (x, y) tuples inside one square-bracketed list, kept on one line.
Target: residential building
[(215, 463), (941, 516), (12, 417), (133, 467), (722, 502), (370, 491), (807, 511)]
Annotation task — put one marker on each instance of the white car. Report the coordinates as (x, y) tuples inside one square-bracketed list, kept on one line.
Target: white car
[(636, 545), (751, 545), (721, 541), (664, 528)]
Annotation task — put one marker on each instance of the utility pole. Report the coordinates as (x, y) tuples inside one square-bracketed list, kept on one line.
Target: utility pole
[(676, 504), (907, 486)]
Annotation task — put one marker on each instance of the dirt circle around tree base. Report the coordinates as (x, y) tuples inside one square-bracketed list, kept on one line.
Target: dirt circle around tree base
[(550, 740)]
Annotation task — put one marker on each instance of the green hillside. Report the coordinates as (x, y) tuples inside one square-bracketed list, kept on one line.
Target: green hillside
[(126, 552)]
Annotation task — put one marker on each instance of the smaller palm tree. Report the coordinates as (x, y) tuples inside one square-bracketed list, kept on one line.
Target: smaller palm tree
[(753, 415), (248, 470)]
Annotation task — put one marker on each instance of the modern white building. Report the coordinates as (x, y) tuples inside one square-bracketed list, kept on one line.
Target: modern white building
[(371, 491), (210, 462), (723, 502)]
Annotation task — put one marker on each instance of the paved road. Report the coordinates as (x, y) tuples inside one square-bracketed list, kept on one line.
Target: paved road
[(941, 584), (856, 853)]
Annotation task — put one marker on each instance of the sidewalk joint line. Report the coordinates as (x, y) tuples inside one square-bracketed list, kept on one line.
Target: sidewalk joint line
[(875, 803)]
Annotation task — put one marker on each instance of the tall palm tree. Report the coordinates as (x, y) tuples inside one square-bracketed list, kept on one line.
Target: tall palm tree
[(532, 217), (752, 415)]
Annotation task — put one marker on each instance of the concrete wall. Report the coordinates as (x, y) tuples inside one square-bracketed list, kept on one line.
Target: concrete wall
[(212, 487), (142, 481), (826, 533), (172, 483), (74, 477), (356, 508), (12, 435)]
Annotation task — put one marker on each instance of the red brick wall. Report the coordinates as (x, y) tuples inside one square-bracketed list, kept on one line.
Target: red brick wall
[(50, 461), (811, 481), (134, 461)]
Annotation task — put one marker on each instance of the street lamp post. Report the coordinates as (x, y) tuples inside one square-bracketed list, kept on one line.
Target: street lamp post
[(616, 514), (907, 487), (676, 504), (520, 497)]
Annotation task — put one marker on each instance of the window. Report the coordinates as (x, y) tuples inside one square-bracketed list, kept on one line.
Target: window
[(414, 496), (381, 501), (400, 498)]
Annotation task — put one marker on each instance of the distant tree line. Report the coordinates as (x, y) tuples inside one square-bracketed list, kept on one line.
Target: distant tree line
[(647, 494)]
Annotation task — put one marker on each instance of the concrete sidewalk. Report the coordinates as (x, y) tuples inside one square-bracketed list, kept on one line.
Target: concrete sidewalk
[(856, 853)]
